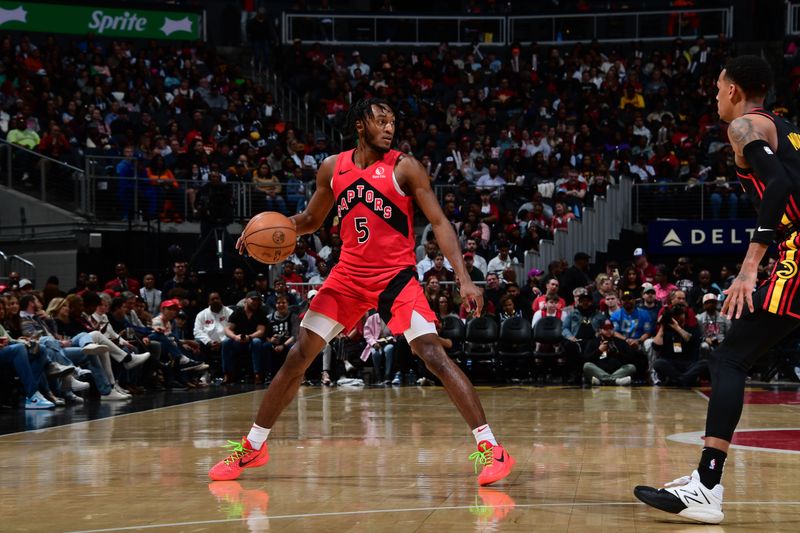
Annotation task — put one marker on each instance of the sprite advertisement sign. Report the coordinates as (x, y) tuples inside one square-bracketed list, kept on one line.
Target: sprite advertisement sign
[(102, 21)]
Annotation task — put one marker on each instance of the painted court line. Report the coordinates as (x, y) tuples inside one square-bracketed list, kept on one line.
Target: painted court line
[(405, 510)]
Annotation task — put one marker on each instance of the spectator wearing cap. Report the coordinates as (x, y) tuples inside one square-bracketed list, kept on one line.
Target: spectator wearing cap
[(583, 319), (358, 64), (607, 358), (478, 260), (262, 287), (246, 330), (450, 174), (703, 287), (631, 323), (502, 260), (575, 276), (649, 302), (537, 145), (474, 272), (677, 349), (209, 327), (647, 272), (714, 326), (320, 152), (25, 286), (281, 289)]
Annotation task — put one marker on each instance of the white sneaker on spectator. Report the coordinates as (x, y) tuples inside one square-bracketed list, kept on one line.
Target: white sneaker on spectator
[(623, 382), (56, 370), (58, 401), (94, 349), (83, 372), (423, 381), (595, 381), (76, 385), (114, 396), (71, 397), (122, 391), (136, 360), (37, 401)]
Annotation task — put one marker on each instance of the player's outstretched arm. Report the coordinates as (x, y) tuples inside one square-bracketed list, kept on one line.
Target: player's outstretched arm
[(413, 178), (321, 201)]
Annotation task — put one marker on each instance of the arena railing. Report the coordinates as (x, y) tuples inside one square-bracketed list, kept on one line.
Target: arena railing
[(43, 177), (679, 201), (114, 198), (423, 30), (294, 108), (394, 29), (792, 18)]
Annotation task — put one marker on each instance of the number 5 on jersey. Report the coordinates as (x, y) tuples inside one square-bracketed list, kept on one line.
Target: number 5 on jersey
[(362, 229)]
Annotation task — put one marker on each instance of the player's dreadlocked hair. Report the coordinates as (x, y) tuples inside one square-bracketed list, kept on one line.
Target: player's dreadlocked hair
[(362, 110), (751, 73)]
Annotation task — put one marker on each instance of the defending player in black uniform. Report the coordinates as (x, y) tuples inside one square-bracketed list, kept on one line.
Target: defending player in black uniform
[(768, 165)]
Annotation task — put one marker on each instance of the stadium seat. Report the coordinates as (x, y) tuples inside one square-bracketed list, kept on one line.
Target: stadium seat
[(455, 330), (514, 348), (547, 350), (479, 348)]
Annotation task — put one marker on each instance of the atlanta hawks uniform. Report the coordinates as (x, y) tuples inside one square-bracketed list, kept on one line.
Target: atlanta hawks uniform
[(779, 294), (377, 267)]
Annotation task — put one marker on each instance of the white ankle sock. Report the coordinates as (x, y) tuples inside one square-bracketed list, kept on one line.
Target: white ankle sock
[(484, 432), (258, 435)]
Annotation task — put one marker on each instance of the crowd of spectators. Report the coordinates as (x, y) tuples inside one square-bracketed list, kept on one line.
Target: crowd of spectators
[(516, 141), (633, 322)]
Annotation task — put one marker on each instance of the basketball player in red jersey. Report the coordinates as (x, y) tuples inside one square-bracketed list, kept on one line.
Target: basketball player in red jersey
[(373, 189), (767, 150)]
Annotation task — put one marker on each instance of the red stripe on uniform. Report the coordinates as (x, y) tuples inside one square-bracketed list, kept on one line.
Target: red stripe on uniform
[(793, 205), (757, 184), (754, 112), (791, 298)]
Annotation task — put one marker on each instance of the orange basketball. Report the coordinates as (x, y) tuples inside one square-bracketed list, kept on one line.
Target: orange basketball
[(269, 237)]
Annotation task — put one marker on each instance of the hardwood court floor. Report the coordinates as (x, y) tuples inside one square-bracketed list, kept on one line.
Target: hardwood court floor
[(396, 460)]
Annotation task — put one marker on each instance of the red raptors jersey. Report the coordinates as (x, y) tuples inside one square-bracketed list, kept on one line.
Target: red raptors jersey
[(376, 219)]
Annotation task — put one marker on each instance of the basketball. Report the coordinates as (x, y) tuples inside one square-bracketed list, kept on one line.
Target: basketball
[(269, 237)]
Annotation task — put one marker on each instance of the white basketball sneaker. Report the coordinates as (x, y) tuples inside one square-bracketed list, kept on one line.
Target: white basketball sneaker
[(686, 497)]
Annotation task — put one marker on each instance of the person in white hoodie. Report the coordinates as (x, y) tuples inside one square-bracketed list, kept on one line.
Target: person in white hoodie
[(209, 327)]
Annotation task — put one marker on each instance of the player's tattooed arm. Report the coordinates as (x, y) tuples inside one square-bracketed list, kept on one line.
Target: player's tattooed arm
[(742, 131)]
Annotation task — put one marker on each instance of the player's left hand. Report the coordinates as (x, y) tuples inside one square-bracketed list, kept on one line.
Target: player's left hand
[(240, 245), (471, 294), (739, 294)]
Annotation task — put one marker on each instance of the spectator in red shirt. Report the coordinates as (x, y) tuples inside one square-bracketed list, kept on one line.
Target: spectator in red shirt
[(123, 281), (647, 271), (550, 289), (561, 217)]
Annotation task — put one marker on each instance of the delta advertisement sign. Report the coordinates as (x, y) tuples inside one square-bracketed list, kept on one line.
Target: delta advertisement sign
[(699, 236), (107, 22)]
